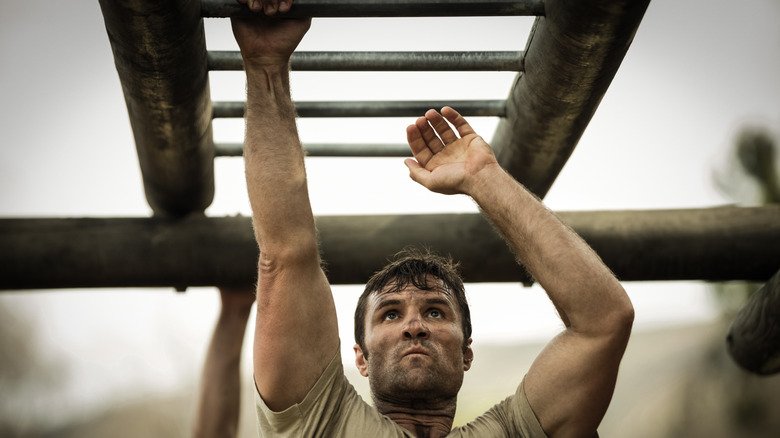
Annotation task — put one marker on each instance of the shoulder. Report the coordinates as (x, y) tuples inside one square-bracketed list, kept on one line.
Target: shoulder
[(331, 408), (511, 417)]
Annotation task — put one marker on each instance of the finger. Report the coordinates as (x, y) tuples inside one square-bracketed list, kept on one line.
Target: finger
[(429, 135), (417, 173), (457, 121), (255, 5), (441, 126), (417, 144), (284, 5), (270, 7)]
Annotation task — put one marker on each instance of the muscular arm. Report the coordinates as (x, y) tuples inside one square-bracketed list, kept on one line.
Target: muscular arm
[(296, 333), (571, 382)]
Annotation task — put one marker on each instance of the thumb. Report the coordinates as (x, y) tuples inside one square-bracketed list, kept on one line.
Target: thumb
[(416, 172)]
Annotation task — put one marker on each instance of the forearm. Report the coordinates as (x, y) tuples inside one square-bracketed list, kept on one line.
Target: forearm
[(586, 294), (220, 390), (275, 173), (296, 317)]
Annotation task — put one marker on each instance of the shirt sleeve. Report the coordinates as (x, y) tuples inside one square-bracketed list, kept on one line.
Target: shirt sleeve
[(530, 425), (331, 408), (295, 420), (512, 417)]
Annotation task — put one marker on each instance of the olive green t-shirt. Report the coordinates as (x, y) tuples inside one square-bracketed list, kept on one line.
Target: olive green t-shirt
[(333, 408)]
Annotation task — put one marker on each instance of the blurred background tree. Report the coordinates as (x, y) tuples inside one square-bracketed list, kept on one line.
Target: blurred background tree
[(719, 399)]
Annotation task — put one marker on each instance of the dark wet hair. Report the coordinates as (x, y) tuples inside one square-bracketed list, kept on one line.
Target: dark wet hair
[(414, 266)]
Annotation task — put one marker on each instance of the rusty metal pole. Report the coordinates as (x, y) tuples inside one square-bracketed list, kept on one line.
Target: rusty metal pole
[(160, 54), (727, 243), (383, 61), (329, 150), (572, 55), (375, 108)]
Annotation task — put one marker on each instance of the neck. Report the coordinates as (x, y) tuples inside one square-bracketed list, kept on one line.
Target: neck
[(422, 417)]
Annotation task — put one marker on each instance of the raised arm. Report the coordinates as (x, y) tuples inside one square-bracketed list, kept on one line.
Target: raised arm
[(296, 333), (570, 384)]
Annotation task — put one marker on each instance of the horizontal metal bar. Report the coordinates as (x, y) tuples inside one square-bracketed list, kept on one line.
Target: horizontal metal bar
[(329, 150), (387, 108), (387, 8), (383, 61), (726, 243)]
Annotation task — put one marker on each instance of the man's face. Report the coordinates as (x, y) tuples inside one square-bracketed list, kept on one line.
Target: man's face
[(415, 344)]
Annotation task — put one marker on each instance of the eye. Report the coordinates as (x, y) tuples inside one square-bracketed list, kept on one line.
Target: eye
[(391, 315), (435, 313)]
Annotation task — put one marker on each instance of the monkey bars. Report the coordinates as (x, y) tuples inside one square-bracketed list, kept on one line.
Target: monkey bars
[(571, 56)]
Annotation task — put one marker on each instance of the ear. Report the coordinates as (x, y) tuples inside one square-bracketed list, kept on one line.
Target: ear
[(468, 355), (360, 361)]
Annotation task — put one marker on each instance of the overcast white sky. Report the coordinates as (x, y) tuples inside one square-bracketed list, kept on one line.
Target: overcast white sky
[(696, 72)]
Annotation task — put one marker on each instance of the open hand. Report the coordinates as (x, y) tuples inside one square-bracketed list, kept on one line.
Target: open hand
[(446, 162)]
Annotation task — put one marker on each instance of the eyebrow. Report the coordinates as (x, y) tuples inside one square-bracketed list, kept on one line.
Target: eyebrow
[(429, 301), (387, 303), (440, 301)]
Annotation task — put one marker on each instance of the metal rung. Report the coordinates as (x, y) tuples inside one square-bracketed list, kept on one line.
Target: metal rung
[(329, 150), (384, 61), (387, 8), (390, 108)]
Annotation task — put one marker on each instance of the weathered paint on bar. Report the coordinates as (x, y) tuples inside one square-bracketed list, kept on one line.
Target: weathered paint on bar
[(383, 61), (160, 54), (329, 150), (570, 59), (725, 243), (387, 108)]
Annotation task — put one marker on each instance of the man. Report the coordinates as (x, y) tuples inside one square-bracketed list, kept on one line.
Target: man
[(415, 345)]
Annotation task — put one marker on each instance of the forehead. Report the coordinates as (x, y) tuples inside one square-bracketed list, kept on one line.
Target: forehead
[(411, 293)]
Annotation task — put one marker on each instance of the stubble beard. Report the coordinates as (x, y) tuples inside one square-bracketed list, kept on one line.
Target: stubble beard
[(413, 379)]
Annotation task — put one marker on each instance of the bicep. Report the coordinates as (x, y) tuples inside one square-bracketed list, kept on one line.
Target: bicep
[(296, 333), (570, 384)]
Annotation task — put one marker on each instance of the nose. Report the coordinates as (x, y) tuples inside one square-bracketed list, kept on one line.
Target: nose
[(415, 329)]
